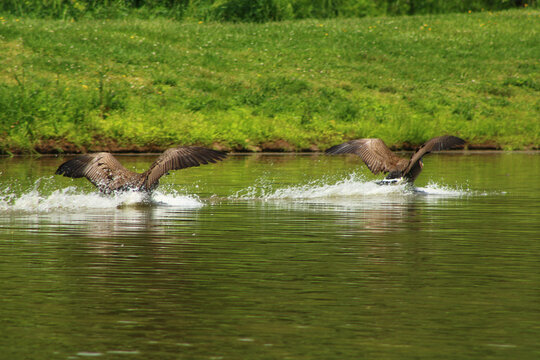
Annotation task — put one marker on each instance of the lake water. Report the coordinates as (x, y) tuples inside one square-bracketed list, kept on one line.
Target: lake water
[(274, 257)]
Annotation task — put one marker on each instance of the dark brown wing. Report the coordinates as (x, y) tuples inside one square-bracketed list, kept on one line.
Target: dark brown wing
[(180, 158), (102, 169), (377, 156), (436, 144)]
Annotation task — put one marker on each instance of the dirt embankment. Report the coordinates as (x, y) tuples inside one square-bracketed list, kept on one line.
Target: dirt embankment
[(65, 147)]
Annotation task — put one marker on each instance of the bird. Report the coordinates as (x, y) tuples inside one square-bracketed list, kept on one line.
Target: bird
[(109, 176), (379, 158)]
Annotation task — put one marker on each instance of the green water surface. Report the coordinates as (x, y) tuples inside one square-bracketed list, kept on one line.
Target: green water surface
[(274, 257)]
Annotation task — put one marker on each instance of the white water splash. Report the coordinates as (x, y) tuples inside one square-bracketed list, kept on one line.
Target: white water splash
[(352, 187), (73, 199), (434, 189), (172, 198)]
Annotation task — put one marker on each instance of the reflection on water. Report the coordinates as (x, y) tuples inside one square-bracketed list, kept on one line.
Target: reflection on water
[(267, 257)]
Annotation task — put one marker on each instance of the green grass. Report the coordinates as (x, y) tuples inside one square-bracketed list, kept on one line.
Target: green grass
[(139, 84), (245, 10)]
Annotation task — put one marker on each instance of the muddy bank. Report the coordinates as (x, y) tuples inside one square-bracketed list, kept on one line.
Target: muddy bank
[(109, 145), (64, 147)]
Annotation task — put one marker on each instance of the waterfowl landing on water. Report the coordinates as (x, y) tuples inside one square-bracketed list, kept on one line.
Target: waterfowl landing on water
[(379, 158), (108, 175)]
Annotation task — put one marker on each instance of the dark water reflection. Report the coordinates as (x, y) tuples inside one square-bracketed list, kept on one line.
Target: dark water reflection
[(243, 260)]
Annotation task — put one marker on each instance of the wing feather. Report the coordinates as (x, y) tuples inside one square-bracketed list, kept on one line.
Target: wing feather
[(180, 158), (374, 152), (102, 169), (439, 143)]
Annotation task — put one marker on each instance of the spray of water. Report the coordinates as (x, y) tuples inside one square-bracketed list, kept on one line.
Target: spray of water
[(354, 186), (43, 196), (39, 198)]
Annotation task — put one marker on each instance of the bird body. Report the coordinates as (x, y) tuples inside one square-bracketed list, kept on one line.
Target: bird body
[(108, 175), (379, 158)]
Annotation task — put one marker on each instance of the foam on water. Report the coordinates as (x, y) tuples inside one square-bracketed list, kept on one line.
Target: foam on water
[(172, 198), (434, 189), (71, 198), (352, 187)]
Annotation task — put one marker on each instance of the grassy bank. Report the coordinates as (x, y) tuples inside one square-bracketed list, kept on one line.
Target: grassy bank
[(148, 84), (246, 10)]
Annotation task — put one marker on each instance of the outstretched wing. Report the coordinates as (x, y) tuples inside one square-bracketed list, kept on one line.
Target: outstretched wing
[(179, 158), (102, 169), (436, 144), (374, 152)]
